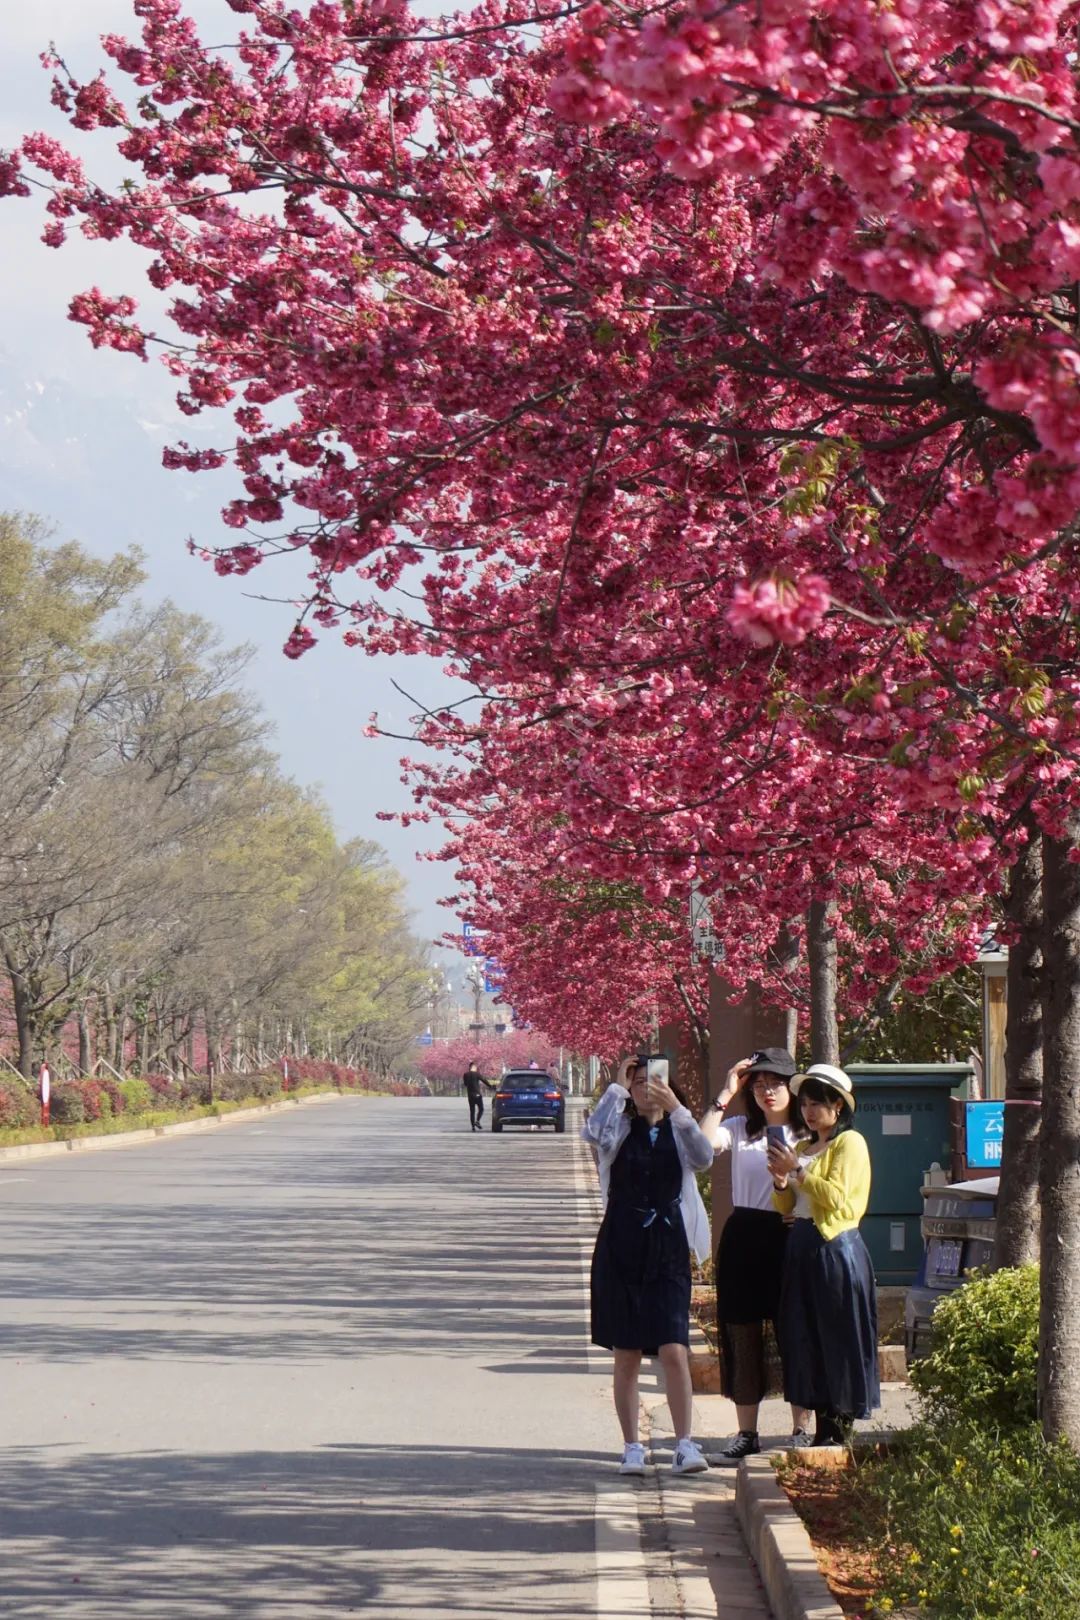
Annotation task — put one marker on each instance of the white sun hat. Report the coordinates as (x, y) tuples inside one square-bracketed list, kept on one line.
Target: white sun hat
[(827, 1074)]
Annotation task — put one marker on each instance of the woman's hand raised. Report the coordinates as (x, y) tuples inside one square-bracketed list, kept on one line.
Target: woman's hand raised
[(661, 1096)]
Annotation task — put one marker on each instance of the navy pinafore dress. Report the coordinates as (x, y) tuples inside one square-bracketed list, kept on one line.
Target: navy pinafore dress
[(640, 1281)]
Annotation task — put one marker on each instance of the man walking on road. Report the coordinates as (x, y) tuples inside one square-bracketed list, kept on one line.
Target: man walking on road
[(472, 1080)]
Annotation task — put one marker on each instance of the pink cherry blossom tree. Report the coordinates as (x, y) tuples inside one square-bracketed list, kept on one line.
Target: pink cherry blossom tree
[(702, 388)]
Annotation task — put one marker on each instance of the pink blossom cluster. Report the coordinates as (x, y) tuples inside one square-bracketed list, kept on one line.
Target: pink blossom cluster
[(778, 609), (703, 392)]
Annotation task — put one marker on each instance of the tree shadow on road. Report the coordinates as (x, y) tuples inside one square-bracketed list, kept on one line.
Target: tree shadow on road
[(339, 1531)]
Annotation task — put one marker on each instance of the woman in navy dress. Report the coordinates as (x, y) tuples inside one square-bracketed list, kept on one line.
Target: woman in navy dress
[(648, 1148)]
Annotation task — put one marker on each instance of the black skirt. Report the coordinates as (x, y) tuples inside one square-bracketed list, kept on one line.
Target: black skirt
[(827, 1326), (750, 1266), (640, 1281)]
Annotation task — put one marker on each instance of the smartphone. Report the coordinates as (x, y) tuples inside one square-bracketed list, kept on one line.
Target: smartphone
[(775, 1136), (656, 1067)]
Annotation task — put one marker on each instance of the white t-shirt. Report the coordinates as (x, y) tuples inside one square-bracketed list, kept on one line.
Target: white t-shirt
[(751, 1183), (804, 1210)]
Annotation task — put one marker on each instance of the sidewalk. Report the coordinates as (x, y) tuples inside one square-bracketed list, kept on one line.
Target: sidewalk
[(686, 1531), (715, 1576)]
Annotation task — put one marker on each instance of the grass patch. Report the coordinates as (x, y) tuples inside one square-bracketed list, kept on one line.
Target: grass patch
[(955, 1522)]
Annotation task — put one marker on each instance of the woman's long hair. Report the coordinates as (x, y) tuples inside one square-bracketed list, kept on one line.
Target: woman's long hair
[(755, 1114)]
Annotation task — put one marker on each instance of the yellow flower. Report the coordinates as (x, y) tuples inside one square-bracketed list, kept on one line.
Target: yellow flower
[(956, 1530), (914, 1558)]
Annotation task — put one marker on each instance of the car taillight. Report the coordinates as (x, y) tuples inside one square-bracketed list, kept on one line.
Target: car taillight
[(503, 1096), (552, 1096)]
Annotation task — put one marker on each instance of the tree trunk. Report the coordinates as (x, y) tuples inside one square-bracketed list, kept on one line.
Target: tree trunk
[(84, 1040), (24, 1023), (821, 954), (108, 1010), (1059, 1178), (1017, 1229), (783, 963)]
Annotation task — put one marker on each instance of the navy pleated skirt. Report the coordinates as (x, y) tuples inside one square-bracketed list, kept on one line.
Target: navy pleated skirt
[(827, 1324)]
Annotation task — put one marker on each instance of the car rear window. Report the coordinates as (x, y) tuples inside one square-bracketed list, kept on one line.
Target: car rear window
[(525, 1082)]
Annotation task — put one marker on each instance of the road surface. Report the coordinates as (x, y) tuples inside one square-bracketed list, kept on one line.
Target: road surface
[(330, 1362)]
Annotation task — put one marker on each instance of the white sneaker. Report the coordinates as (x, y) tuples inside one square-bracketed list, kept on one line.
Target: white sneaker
[(633, 1458), (688, 1458)]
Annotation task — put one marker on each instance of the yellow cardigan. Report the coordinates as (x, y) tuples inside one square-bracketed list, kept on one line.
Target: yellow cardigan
[(837, 1185)]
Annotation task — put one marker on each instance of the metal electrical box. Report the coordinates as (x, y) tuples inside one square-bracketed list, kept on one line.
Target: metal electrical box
[(903, 1112)]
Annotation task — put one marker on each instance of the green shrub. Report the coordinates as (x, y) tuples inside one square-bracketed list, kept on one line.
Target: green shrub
[(18, 1105), (983, 1363), (137, 1095), (976, 1525), (264, 1086)]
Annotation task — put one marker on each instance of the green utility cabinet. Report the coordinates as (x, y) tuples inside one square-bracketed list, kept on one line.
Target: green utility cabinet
[(902, 1109)]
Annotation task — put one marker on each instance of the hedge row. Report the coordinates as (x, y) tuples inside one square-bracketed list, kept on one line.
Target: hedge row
[(76, 1102)]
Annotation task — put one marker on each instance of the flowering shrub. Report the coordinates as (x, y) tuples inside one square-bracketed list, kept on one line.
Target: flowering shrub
[(320, 1071), (93, 1098), (88, 1100), (166, 1091)]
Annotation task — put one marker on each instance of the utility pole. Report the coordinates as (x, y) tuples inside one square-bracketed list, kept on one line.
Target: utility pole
[(475, 979)]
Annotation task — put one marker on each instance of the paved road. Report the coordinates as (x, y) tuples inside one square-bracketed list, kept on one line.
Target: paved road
[(330, 1363)]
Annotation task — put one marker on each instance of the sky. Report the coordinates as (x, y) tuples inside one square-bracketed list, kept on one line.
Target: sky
[(81, 435)]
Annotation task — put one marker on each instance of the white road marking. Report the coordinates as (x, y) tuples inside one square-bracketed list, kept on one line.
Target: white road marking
[(622, 1579)]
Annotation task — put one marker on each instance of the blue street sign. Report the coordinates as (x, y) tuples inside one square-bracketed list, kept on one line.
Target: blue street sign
[(985, 1125), (425, 1039), (470, 940)]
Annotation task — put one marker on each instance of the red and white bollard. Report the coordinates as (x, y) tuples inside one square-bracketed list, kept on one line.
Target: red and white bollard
[(44, 1089)]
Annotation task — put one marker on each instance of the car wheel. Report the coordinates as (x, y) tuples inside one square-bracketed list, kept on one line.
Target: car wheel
[(496, 1127), (560, 1123)]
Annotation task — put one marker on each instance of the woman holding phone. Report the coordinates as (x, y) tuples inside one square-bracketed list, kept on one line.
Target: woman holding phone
[(648, 1147), (828, 1307), (750, 1259)]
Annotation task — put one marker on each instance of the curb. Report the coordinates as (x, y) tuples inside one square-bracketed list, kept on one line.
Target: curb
[(183, 1127), (780, 1546)]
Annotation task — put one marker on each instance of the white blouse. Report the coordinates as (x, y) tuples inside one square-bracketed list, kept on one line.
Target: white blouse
[(751, 1183)]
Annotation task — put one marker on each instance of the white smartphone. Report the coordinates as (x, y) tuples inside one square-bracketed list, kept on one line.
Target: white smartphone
[(656, 1067)]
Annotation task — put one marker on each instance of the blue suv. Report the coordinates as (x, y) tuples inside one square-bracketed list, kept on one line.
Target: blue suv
[(528, 1097)]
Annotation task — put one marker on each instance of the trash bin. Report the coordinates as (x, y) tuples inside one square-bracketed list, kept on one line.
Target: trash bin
[(903, 1112)]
